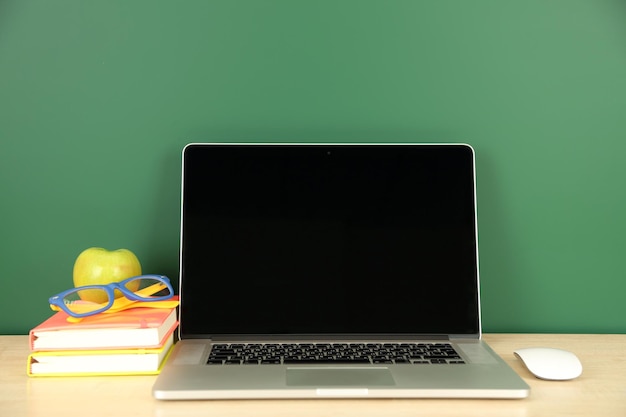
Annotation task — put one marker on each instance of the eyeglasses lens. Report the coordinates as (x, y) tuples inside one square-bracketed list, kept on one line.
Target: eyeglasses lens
[(148, 288), (86, 301)]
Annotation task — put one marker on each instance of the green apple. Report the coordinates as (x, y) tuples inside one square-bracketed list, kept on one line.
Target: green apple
[(101, 266)]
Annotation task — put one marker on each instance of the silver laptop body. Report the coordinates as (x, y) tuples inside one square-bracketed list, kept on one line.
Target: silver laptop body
[(331, 271)]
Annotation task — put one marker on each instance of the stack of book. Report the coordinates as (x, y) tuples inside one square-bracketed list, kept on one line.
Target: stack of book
[(130, 342)]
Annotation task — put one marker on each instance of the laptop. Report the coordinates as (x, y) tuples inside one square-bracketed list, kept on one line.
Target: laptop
[(330, 271)]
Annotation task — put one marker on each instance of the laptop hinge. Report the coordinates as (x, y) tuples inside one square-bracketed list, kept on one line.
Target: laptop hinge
[(464, 336), (324, 337)]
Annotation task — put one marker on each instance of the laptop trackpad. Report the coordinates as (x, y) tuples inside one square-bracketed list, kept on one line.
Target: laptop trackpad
[(325, 377)]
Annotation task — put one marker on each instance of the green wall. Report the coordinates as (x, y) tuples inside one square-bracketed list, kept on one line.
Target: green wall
[(97, 98)]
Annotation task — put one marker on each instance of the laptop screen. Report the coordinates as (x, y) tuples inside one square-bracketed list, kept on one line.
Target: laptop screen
[(288, 239)]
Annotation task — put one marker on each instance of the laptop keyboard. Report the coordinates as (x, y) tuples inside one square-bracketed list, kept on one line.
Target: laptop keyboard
[(333, 353)]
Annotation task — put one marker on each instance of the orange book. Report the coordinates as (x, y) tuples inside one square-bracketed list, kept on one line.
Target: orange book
[(139, 327)]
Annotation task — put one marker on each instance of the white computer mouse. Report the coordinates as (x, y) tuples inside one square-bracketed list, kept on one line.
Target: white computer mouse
[(551, 364)]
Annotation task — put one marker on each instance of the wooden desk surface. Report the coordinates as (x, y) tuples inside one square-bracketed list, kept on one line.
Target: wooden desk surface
[(600, 391)]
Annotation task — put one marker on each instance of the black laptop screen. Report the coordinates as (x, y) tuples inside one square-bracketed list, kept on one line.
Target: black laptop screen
[(328, 239)]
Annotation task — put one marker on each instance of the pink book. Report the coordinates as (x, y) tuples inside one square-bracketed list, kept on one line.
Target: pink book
[(139, 327)]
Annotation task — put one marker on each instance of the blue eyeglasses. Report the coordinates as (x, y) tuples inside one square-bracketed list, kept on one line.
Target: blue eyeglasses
[(93, 299)]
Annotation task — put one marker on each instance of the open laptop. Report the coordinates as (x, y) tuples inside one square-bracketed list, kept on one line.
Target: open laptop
[(331, 270)]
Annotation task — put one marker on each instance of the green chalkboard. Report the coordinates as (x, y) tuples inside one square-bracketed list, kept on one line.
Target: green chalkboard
[(97, 99)]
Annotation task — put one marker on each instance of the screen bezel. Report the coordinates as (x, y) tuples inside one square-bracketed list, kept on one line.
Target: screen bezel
[(475, 332)]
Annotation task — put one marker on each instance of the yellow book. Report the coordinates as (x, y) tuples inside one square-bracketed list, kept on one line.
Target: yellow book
[(99, 362)]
